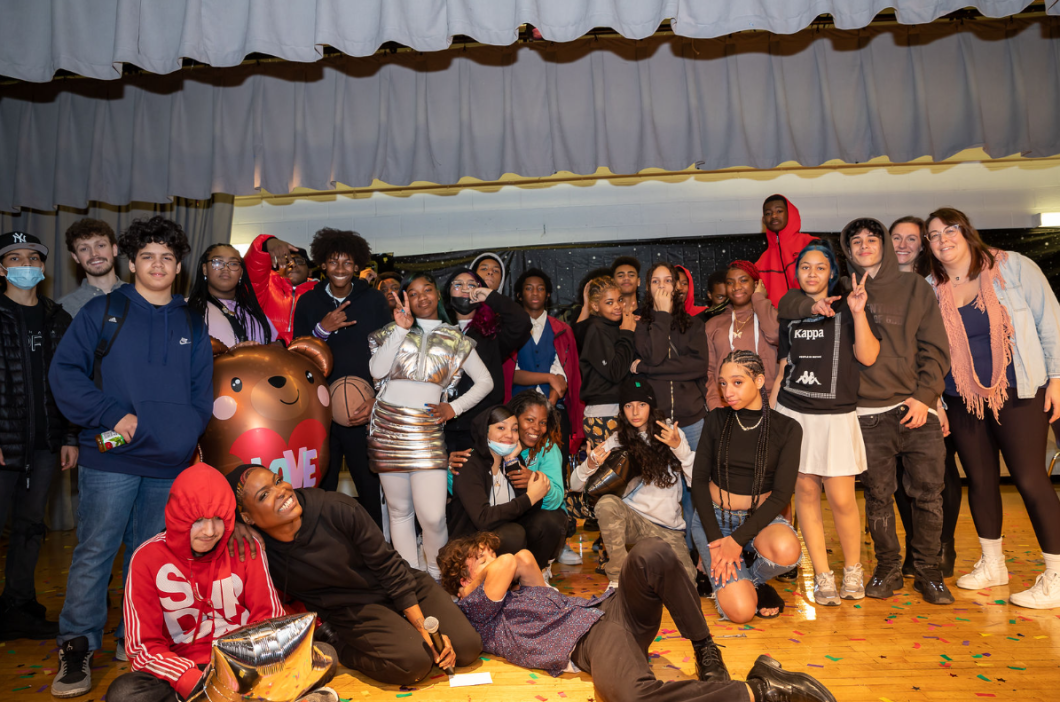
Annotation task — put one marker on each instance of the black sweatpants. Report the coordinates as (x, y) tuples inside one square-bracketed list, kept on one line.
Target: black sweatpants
[(617, 645), (541, 531), (139, 686), (351, 443), (378, 641), (1020, 437), (952, 495)]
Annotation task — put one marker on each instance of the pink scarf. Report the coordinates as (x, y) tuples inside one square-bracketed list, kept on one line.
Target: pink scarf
[(971, 390)]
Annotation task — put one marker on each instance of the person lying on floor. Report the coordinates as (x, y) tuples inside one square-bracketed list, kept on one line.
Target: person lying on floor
[(328, 553), (534, 626), (744, 476), (170, 625)]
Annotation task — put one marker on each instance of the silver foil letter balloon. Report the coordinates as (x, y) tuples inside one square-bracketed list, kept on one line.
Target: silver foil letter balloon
[(273, 661)]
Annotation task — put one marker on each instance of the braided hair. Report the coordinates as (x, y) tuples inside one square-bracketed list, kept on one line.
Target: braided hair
[(752, 364), (597, 288), (657, 462), (247, 306)]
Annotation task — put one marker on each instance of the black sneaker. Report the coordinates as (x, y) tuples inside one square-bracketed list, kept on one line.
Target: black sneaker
[(75, 676), (933, 591), (35, 609), (704, 585), (771, 683), (591, 524), (709, 665), (17, 623), (789, 576), (884, 582)]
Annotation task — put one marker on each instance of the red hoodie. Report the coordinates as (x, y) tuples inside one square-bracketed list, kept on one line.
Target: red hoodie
[(274, 292), (177, 604), (777, 264)]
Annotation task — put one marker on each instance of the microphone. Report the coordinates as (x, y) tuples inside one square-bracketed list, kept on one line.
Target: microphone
[(430, 624)]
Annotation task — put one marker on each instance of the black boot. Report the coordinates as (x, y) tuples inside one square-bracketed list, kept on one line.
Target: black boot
[(704, 585), (934, 591), (35, 609), (949, 557), (709, 665), (17, 623), (908, 569), (771, 683), (885, 580)]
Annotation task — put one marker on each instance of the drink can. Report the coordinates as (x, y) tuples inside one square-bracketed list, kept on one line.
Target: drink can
[(108, 440)]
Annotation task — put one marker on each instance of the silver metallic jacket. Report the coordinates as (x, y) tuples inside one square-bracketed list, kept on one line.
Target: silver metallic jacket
[(403, 439)]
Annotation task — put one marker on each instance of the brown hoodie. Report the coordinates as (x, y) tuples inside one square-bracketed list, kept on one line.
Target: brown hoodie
[(914, 351)]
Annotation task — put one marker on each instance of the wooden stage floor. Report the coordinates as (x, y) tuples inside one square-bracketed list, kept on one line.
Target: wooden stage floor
[(892, 651)]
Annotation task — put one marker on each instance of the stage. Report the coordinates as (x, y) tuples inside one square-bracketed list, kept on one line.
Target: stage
[(895, 650)]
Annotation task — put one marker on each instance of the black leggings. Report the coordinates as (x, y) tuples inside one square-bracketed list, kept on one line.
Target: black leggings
[(541, 531), (1021, 438), (951, 496)]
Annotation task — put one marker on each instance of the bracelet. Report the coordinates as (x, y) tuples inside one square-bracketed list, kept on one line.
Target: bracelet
[(320, 332)]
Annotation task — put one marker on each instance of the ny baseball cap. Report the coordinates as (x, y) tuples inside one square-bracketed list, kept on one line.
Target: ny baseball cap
[(21, 240)]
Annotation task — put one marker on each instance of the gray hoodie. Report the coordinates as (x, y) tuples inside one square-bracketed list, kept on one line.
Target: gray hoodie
[(914, 351)]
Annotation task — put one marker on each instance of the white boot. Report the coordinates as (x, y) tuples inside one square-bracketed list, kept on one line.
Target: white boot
[(1045, 594), (987, 572)]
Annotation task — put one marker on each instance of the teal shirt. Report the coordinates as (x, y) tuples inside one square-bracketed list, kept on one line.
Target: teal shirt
[(551, 464)]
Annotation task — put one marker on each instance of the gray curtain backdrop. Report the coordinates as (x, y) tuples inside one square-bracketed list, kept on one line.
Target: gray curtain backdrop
[(204, 221), (95, 37), (751, 100)]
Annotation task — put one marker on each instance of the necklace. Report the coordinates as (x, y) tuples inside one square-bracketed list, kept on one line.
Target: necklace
[(755, 426), (738, 326)]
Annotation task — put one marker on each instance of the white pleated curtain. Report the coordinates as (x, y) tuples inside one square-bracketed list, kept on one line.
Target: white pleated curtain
[(751, 100)]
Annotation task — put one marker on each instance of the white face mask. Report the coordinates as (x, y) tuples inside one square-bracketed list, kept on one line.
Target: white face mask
[(502, 449)]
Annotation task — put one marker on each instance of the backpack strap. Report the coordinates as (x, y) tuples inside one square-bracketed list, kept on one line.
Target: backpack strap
[(111, 325)]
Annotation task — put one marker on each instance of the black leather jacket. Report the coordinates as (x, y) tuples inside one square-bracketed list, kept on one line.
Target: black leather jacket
[(17, 394)]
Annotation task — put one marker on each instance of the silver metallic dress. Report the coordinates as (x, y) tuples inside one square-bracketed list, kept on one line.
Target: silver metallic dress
[(404, 439)]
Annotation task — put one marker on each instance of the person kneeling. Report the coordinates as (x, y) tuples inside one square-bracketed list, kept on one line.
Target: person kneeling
[(185, 591), (329, 554), (536, 627), (651, 505)]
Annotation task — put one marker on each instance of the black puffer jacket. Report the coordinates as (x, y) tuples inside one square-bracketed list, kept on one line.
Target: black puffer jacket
[(17, 396)]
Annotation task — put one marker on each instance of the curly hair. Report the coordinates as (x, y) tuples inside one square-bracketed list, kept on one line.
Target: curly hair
[(680, 319), (657, 462), (517, 292), (157, 230), (85, 228), (553, 436), (625, 261), (452, 559), (328, 241)]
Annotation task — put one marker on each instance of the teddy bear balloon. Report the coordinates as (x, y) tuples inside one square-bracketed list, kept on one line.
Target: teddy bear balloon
[(271, 406)]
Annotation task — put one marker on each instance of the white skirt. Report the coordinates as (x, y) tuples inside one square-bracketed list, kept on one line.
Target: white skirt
[(831, 443)]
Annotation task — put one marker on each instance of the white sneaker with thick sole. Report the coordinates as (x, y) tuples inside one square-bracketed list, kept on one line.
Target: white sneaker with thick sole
[(824, 592), (613, 585), (1045, 594), (985, 573), (569, 557), (853, 587), (119, 651)]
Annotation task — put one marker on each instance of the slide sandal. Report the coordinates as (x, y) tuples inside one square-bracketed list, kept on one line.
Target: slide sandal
[(768, 598)]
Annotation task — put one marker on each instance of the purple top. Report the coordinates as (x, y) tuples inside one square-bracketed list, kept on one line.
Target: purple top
[(532, 627)]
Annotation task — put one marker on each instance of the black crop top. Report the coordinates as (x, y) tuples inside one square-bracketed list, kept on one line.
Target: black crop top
[(782, 468)]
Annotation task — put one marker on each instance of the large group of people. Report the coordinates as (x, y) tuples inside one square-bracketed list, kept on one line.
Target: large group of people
[(681, 431)]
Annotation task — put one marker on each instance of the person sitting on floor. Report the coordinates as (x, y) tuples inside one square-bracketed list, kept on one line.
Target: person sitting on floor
[(171, 618), (651, 505), (744, 476), (536, 627), (328, 554)]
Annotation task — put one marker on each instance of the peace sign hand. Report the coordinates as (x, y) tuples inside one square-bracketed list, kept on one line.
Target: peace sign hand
[(336, 319), (402, 316), (669, 435), (857, 298)]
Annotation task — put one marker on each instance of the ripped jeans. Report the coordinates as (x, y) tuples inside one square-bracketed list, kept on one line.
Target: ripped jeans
[(760, 571)]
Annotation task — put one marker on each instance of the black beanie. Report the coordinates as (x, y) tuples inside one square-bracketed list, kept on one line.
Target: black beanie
[(636, 390)]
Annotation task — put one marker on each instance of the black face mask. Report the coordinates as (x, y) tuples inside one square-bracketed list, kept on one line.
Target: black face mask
[(463, 305)]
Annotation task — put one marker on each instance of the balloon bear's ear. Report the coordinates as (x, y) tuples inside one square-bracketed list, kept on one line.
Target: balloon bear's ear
[(219, 347), (317, 351)]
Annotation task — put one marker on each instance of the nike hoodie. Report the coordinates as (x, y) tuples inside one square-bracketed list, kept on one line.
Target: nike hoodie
[(777, 264), (914, 349), (177, 603), (160, 369)]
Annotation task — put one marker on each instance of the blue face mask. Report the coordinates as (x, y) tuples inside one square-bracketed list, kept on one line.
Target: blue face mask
[(502, 449), (25, 277)]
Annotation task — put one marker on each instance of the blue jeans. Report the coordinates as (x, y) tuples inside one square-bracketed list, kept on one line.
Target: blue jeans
[(114, 509), (761, 571), (692, 434)]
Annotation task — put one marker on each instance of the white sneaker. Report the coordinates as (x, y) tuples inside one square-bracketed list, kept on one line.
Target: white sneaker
[(824, 592), (853, 587), (613, 585), (119, 651), (1045, 594), (985, 573), (546, 573), (569, 557)]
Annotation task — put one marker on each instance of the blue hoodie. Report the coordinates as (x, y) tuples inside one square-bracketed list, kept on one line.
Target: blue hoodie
[(158, 370)]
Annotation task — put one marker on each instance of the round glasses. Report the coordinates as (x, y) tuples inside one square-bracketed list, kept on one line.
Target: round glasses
[(220, 264)]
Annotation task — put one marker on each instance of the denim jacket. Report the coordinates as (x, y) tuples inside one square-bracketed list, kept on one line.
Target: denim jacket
[(1035, 314)]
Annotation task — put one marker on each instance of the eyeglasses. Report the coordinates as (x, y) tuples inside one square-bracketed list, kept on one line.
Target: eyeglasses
[(460, 287), (949, 232), (219, 264), (298, 261)]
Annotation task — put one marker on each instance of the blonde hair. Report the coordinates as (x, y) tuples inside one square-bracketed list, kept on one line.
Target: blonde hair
[(597, 288)]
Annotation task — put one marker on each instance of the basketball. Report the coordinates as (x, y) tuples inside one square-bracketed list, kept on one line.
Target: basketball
[(348, 394)]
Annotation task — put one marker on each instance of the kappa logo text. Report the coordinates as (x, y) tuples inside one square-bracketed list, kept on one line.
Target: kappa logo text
[(808, 378), (809, 334)]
